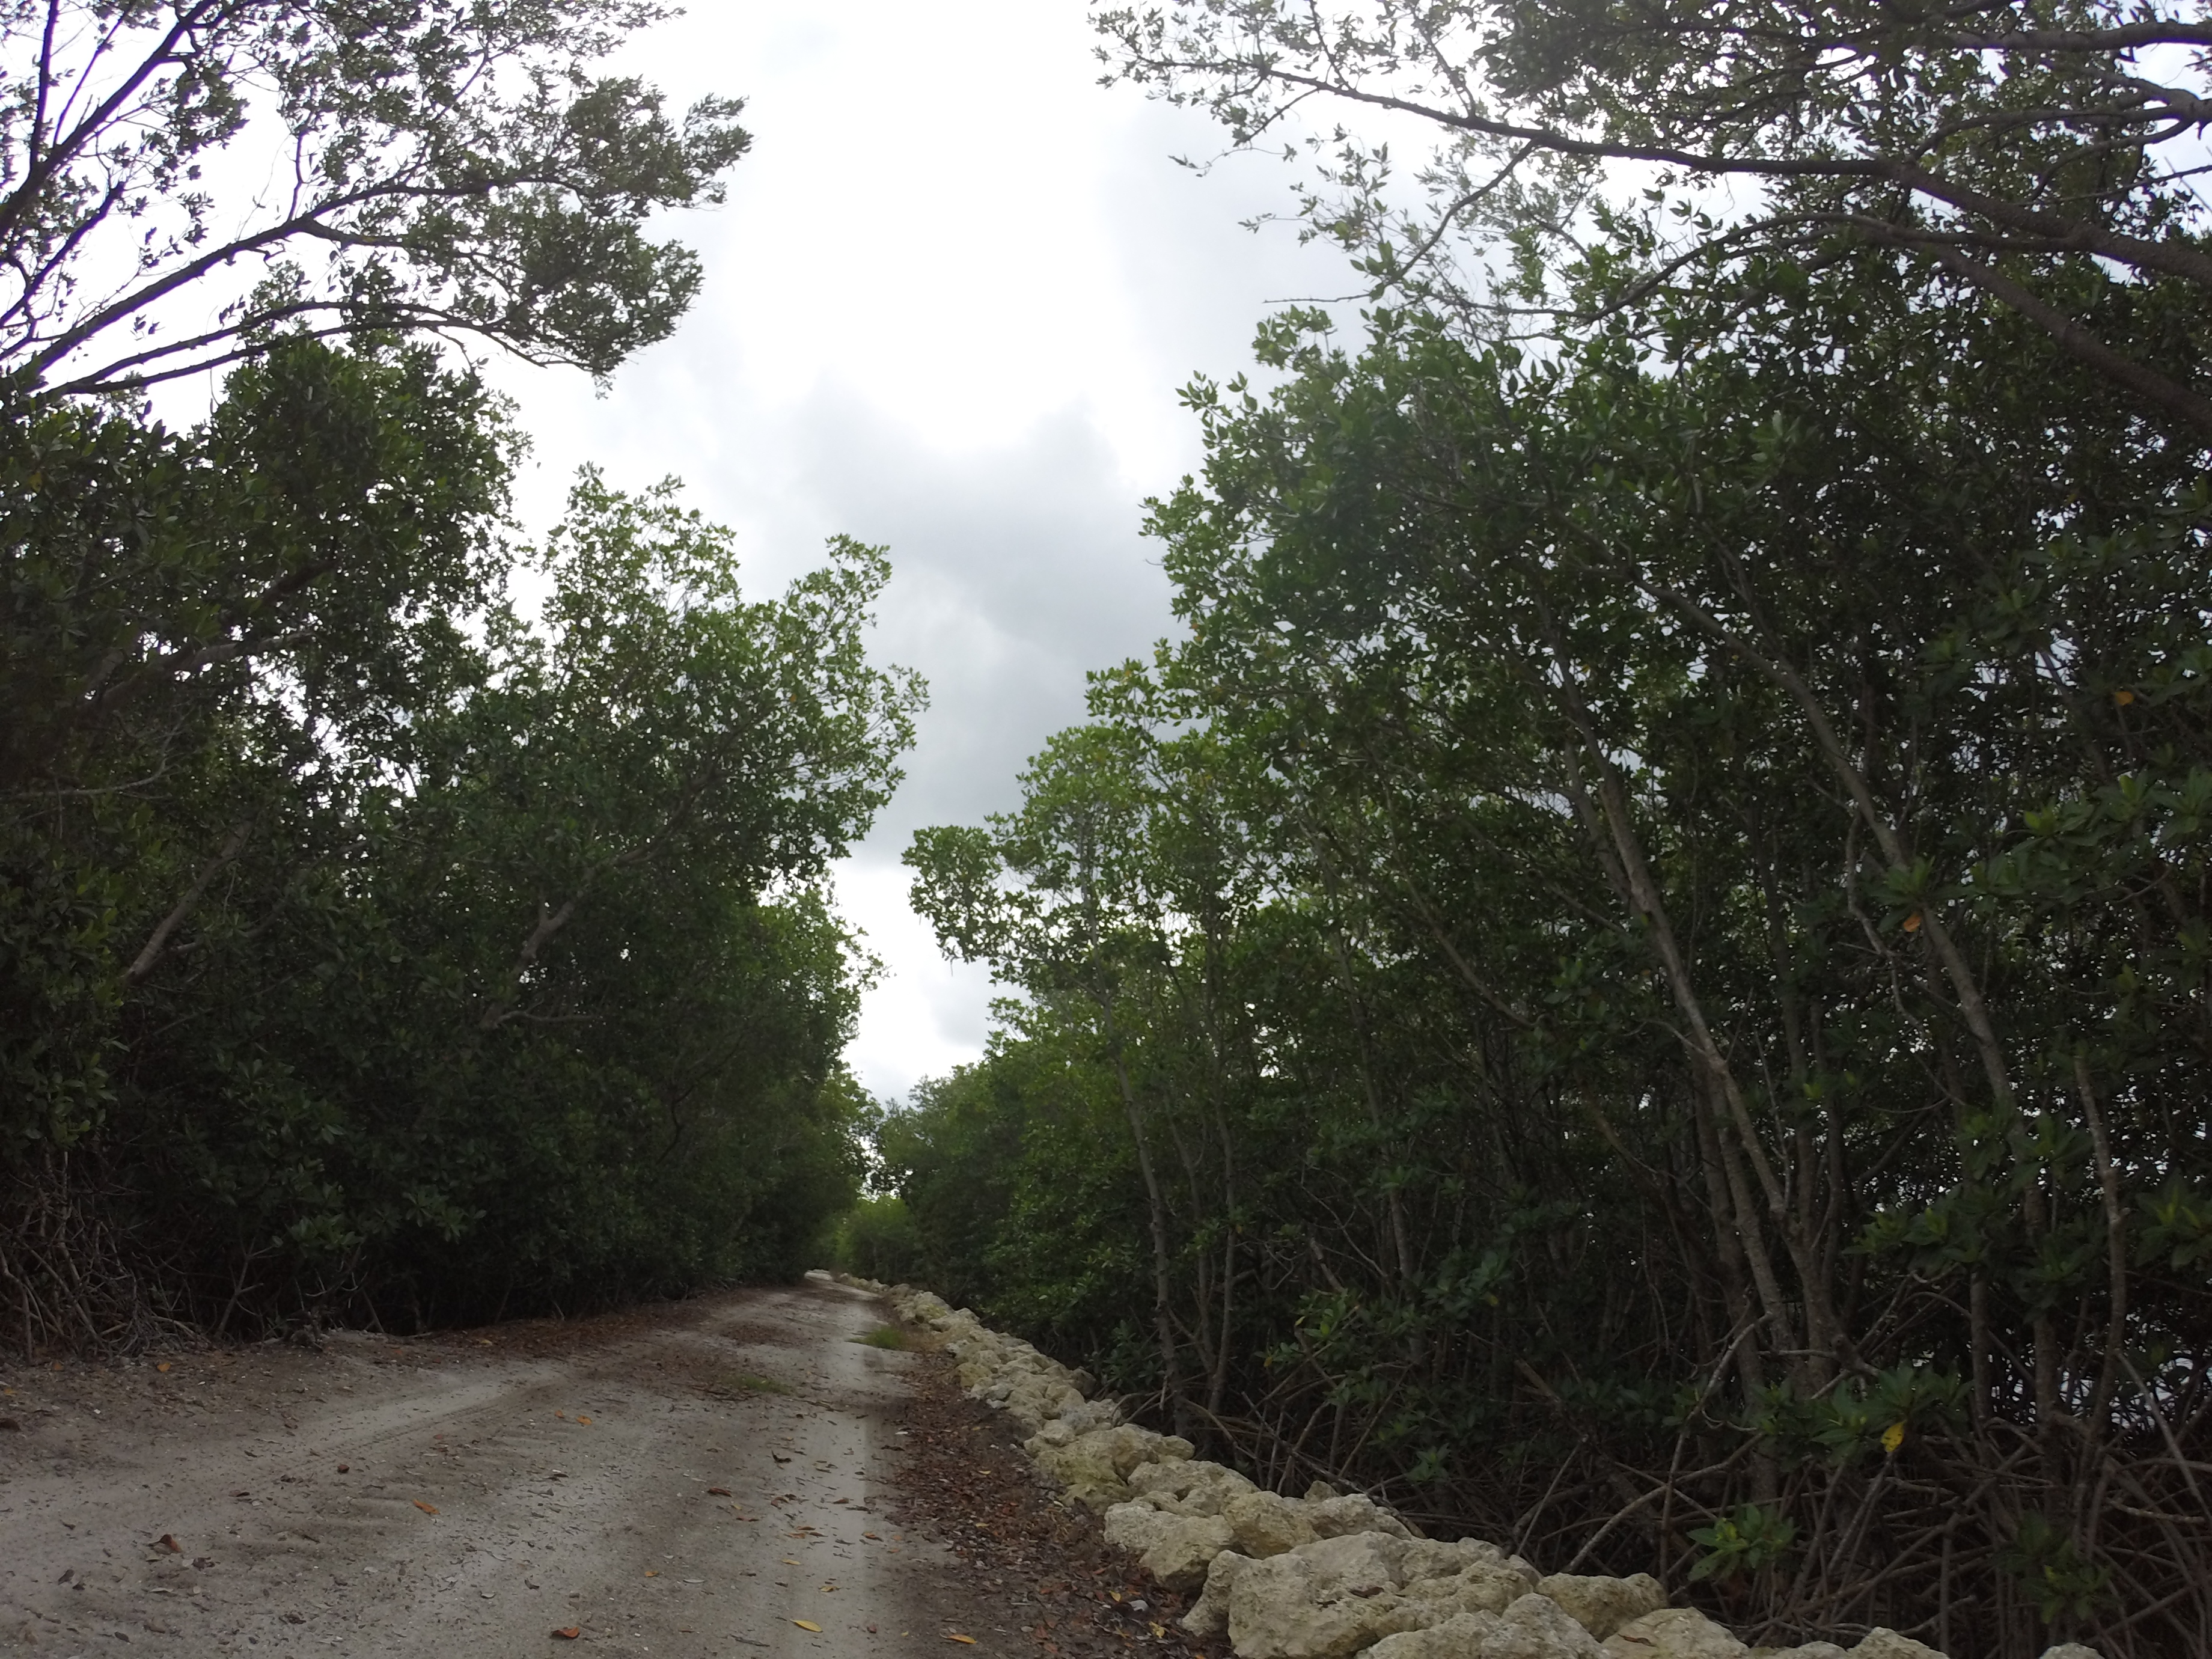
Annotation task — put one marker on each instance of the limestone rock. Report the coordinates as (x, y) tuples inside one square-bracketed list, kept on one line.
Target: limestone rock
[(1267, 1524), (1462, 1636), (1189, 1485), (1183, 1547), (1803, 1650), (1489, 1582), (1209, 1614), (2071, 1651), (1339, 1518), (1533, 1627), (975, 1373), (1095, 1467), (1089, 1415), (1537, 1627), (923, 1307), (1320, 1493), (1326, 1599), (1602, 1605), (1134, 1526), (1674, 1633), (1035, 1401), (1884, 1643)]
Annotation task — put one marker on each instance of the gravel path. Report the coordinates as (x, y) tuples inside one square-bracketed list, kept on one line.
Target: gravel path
[(686, 1481)]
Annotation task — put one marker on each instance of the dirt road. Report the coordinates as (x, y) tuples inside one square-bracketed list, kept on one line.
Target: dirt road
[(690, 1482)]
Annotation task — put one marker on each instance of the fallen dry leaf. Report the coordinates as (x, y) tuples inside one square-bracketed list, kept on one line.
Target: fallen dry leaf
[(653, 1572), (427, 1508), (788, 1562), (718, 1491), (808, 1623), (563, 1416), (951, 1636), (345, 1468), (583, 1419), (163, 1366), (169, 1541), (570, 1633), (870, 1534)]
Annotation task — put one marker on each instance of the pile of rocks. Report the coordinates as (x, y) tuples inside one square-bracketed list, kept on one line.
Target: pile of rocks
[(1329, 1575)]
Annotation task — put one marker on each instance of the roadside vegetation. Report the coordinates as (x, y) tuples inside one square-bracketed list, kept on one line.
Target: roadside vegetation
[(375, 945), (1636, 977)]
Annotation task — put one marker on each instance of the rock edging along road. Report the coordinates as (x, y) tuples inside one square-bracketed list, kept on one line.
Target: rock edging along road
[(710, 1478), (1329, 1575)]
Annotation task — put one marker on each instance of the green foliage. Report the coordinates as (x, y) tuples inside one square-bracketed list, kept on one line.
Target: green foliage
[(875, 1239), (884, 1336), (1652, 921), (1751, 1541), (2024, 154), (454, 167), (2063, 1586), (373, 950)]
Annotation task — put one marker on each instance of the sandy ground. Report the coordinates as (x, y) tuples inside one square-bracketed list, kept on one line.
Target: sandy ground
[(692, 1480)]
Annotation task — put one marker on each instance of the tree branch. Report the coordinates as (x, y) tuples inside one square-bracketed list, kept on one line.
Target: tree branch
[(232, 847)]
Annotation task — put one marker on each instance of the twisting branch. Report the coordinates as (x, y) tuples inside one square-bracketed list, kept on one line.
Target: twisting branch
[(233, 844)]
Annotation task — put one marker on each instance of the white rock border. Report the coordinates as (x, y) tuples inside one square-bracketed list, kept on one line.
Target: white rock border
[(1328, 1576)]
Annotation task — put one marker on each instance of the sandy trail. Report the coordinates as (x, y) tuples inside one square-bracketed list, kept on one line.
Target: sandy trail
[(475, 1495)]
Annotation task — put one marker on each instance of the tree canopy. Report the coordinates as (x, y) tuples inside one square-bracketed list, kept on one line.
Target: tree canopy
[(2045, 156), (1637, 977), (435, 166), (427, 958)]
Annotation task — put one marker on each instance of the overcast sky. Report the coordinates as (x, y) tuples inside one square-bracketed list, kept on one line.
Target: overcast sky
[(947, 309)]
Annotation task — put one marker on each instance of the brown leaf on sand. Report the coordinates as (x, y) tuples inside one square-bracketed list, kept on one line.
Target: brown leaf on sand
[(167, 1541), (427, 1508), (954, 1636), (570, 1632), (808, 1623), (163, 1366), (718, 1491)]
